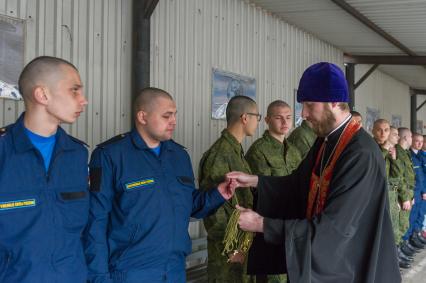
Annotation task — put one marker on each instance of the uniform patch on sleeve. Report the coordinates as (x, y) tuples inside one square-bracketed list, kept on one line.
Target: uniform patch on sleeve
[(15, 204), (140, 183), (95, 179)]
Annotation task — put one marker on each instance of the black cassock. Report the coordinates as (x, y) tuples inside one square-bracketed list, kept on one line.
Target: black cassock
[(351, 240)]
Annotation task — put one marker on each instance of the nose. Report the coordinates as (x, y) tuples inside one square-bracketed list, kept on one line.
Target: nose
[(173, 120), (83, 101)]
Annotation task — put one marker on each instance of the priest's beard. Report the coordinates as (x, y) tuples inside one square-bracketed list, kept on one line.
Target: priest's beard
[(325, 123)]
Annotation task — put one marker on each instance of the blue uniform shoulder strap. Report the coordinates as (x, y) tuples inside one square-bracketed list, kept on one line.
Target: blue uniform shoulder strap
[(3, 130), (113, 140), (78, 141), (178, 144)]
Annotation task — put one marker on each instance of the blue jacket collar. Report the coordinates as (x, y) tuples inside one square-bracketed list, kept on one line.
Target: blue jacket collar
[(141, 144), (22, 143)]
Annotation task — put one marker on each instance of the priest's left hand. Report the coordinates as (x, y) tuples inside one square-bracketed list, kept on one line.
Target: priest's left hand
[(249, 220)]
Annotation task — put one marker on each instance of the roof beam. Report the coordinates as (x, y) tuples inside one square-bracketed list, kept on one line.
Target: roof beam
[(386, 60), (417, 91), (363, 19), (366, 75)]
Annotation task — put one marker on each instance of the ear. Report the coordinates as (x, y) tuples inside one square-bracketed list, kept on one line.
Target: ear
[(40, 96), (244, 119), (333, 104), (141, 117), (267, 120)]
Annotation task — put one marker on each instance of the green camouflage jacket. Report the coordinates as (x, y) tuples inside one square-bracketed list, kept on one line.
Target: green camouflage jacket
[(224, 156), (269, 157), (409, 177), (303, 138)]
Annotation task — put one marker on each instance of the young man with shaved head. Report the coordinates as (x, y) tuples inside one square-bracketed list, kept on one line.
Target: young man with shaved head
[(142, 197), (226, 154), (394, 173), (43, 179), (271, 155)]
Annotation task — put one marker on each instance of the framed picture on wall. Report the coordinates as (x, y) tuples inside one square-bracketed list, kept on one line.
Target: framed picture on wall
[(226, 85), (419, 127), (297, 110), (396, 121), (372, 115)]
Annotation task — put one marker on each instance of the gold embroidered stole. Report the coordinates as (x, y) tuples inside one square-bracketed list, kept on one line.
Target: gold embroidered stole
[(320, 185)]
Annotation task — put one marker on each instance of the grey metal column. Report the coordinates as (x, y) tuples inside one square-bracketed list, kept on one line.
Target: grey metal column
[(350, 78), (413, 111), (142, 11)]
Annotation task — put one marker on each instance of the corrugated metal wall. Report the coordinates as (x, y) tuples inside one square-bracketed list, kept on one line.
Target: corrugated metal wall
[(190, 37), (383, 92), (95, 35)]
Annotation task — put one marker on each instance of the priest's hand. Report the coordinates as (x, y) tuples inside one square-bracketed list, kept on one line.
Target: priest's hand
[(227, 188), (249, 220), (243, 179)]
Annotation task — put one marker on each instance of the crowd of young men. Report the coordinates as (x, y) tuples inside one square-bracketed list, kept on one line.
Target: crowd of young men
[(405, 171), (320, 206)]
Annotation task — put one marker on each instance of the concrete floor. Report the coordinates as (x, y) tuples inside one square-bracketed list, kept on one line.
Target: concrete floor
[(417, 272)]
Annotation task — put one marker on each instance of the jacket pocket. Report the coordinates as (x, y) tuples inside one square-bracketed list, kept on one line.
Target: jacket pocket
[(73, 209)]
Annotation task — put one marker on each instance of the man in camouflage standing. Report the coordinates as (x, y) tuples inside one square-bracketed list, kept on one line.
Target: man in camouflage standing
[(381, 131), (409, 179), (271, 155), (224, 156), (303, 137)]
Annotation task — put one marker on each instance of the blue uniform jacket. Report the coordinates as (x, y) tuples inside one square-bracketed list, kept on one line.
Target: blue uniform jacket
[(140, 209), (42, 215), (418, 165)]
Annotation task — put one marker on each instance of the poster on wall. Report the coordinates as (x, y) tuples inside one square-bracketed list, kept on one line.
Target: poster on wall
[(372, 115), (396, 121), (11, 56), (297, 111), (419, 127), (226, 85)]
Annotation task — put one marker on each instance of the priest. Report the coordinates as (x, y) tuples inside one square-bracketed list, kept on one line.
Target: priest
[(332, 212)]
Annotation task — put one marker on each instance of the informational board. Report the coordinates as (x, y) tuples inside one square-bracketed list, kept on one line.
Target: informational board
[(372, 115), (11, 49), (226, 85), (297, 111), (396, 121)]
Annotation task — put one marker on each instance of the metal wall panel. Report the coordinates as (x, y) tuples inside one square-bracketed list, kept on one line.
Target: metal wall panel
[(95, 35), (383, 92), (190, 37)]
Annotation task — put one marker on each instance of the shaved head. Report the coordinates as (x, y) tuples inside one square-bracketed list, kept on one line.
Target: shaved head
[(237, 106), (403, 132), (380, 122), (276, 103), (147, 98), (41, 71)]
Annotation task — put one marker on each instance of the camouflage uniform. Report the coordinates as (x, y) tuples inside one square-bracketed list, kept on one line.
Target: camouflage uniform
[(394, 173), (408, 183), (303, 138), (269, 157), (225, 155)]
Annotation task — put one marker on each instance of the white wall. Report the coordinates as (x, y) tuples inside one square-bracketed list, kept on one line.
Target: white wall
[(383, 92), (95, 35)]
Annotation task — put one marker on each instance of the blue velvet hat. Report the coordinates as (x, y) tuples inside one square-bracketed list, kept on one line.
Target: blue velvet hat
[(323, 82)]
